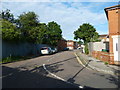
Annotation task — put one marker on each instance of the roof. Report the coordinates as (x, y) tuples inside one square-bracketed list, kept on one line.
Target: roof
[(63, 39), (111, 8), (103, 36), (70, 41)]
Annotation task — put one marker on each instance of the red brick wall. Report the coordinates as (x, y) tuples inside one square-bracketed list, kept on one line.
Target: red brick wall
[(114, 29), (70, 44), (103, 56), (61, 45), (113, 21), (114, 25)]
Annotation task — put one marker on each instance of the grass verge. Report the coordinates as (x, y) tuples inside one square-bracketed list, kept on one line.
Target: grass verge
[(14, 59)]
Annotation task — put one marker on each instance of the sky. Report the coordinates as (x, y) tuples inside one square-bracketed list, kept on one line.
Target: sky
[(69, 15)]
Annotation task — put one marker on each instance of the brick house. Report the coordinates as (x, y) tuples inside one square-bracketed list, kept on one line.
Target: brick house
[(72, 44), (113, 16), (62, 44), (113, 56)]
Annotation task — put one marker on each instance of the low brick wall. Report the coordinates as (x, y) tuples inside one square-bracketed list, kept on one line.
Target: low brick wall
[(103, 56)]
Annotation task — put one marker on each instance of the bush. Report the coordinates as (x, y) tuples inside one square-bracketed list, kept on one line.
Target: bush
[(86, 49), (9, 31), (10, 59), (105, 63)]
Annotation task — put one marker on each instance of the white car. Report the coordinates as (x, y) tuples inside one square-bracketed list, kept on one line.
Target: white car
[(79, 48), (46, 50)]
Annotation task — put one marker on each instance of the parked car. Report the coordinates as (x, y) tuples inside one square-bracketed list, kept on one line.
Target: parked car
[(46, 50), (54, 50), (79, 48), (66, 49)]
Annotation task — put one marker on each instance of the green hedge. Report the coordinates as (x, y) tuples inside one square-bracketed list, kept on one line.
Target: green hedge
[(86, 49)]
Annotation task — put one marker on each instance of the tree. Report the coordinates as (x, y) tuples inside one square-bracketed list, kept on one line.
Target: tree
[(26, 22), (6, 15), (37, 34), (9, 31), (95, 37), (80, 42), (27, 28), (54, 33), (86, 32)]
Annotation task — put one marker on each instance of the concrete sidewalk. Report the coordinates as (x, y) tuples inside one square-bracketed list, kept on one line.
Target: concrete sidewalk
[(98, 65)]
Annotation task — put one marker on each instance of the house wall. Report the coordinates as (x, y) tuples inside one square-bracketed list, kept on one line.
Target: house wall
[(116, 48), (113, 22), (61, 45), (76, 45), (70, 45), (114, 29)]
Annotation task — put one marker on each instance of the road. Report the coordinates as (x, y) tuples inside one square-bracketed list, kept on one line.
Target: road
[(60, 70)]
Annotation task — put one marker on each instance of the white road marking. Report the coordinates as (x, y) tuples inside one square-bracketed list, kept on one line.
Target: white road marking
[(58, 76)]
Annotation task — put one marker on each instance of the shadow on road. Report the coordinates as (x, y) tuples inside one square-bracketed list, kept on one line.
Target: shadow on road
[(112, 79), (63, 60), (72, 79), (54, 67), (35, 78)]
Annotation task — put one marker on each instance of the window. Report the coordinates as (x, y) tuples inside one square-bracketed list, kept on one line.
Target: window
[(70, 43), (116, 46)]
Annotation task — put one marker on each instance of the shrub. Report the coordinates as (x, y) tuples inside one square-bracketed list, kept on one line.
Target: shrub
[(105, 63), (86, 49), (9, 31)]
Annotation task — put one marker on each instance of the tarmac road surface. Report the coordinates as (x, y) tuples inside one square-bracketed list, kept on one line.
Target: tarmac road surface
[(60, 70)]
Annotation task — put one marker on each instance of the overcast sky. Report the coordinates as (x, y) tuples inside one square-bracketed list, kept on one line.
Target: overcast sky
[(70, 15)]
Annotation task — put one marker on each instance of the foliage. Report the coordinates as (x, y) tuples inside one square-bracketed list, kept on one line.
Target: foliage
[(15, 58), (26, 22), (86, 49), (86, 32), (106, 63), (9, 59), (9, 31), (6, 15), (54, 33), (37, 34), (80, 42), (27, 28), (95, 37)]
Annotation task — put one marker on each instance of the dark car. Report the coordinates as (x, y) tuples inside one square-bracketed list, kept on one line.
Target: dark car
[(66, 49), (54, 50)]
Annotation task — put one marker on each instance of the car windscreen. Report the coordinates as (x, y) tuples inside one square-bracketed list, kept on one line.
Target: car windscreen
[(53, 48), (44, 48)]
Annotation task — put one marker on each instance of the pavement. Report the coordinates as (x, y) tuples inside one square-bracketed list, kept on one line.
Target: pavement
[(98, 65)]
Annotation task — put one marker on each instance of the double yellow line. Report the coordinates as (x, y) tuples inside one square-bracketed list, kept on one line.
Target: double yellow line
[(78, 59)]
